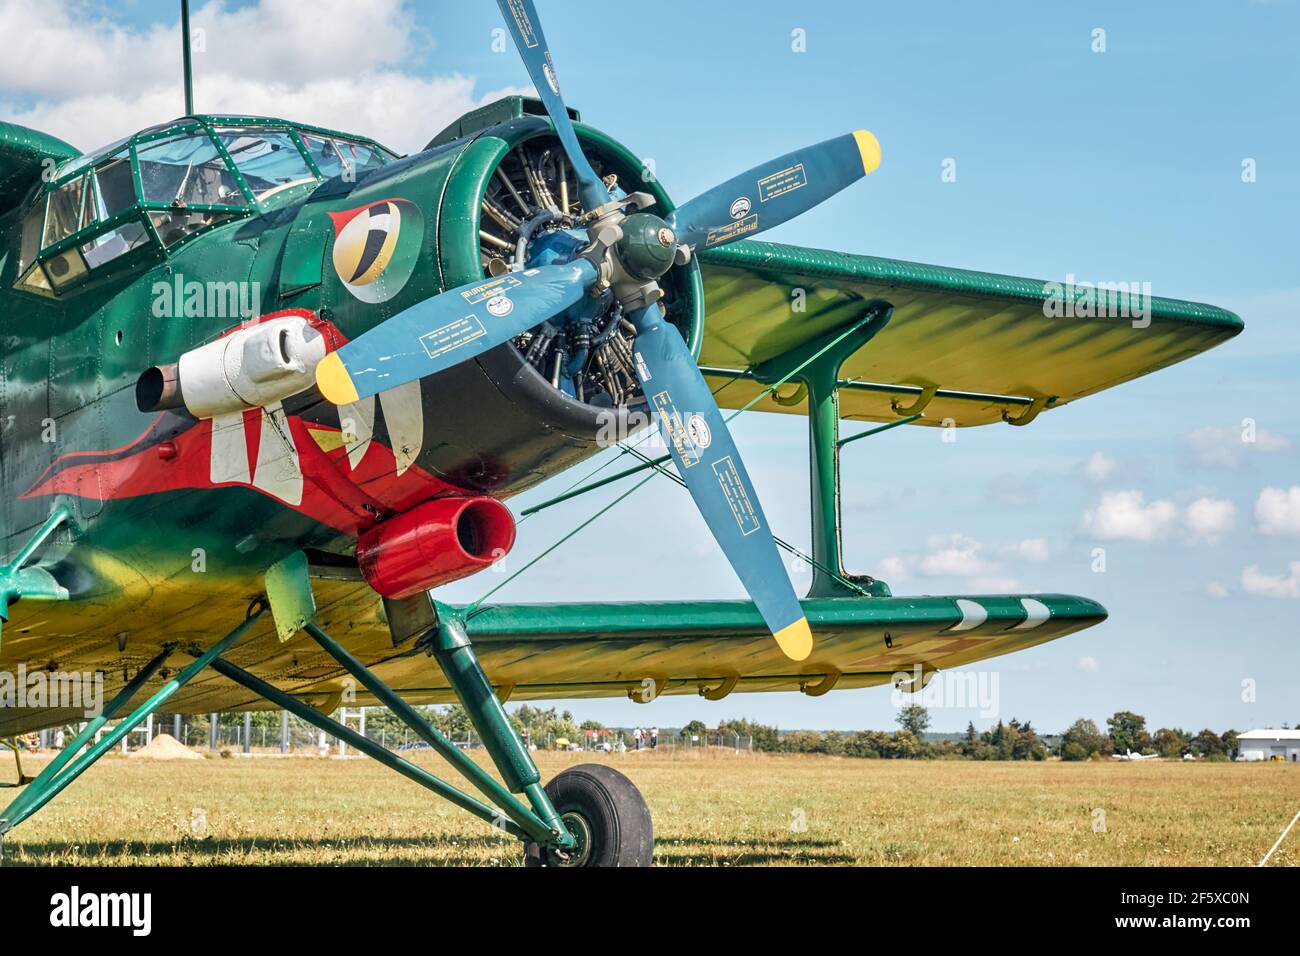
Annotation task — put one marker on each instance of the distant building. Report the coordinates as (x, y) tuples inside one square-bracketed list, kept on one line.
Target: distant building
[(1266, 744)]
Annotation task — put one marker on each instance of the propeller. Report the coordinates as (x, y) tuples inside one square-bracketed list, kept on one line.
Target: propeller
[(530, 41), (709, 462), (437, 333), (627, 252), (775, 192)]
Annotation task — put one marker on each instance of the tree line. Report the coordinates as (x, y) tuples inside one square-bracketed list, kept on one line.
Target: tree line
[(1008, 740)]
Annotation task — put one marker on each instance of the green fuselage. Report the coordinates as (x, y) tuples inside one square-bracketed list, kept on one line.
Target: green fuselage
[(151, 497)]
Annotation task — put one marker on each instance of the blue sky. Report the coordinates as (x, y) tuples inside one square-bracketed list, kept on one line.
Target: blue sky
[(1120, 165)]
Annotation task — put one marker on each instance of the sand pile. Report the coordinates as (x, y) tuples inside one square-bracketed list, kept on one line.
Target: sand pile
[(165, 747)]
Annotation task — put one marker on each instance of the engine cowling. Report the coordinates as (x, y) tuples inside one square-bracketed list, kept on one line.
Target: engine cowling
[(435, 543)]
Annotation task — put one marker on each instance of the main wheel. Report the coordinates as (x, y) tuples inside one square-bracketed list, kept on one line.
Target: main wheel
[(606, 815)]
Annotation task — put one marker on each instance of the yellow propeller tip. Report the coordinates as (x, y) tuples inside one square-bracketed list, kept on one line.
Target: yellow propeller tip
[(869, 148), (795, 640), (334, 381)]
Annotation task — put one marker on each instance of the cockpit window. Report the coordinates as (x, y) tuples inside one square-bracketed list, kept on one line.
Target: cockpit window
[(151, 191), (187, 171), (65, 212), (268, 160), (119, 242), (30, 243), (94, 156), (114, 185), (336, 157)]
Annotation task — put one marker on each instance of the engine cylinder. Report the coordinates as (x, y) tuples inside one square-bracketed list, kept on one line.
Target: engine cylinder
[(435, 543)]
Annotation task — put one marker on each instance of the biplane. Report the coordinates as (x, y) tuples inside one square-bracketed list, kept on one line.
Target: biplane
[(266, 386)]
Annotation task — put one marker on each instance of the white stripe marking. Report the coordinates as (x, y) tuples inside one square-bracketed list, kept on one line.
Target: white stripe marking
[(973, 614), (229, 454), (1036, 612), (357, 422), (278, 472), (404, 416)]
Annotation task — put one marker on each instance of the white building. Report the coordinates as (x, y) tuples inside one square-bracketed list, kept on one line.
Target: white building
[(1265, 744)]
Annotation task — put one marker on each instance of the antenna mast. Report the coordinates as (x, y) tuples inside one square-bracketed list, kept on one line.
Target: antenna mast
[(185, 49)]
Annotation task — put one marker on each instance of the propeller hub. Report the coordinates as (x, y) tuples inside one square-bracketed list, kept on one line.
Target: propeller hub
[(647, 247)]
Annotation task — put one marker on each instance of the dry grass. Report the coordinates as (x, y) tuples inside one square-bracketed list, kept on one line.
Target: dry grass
[(710, 809)]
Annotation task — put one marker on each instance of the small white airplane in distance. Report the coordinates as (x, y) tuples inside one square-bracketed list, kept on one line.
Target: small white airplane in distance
[(1130, 755)]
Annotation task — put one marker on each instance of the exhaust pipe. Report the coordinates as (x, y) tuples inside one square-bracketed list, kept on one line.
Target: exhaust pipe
[(435, 543), (252, 367)]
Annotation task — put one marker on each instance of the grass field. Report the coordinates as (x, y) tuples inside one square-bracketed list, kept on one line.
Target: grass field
[(710, 809)]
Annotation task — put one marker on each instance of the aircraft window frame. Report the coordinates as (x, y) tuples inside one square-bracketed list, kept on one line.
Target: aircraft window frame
[(265, 133), (379, 156), (66, 221), (113, 219), (229, 194), (120, 160), (32, 232)]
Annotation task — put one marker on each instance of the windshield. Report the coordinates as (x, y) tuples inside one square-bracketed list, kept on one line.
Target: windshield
[(187, 171), (268, 160), (165, 184), (336, 157)]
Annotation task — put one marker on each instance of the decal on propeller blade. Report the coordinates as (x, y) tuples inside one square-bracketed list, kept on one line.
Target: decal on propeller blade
[(490, 290), (376, 248), (688, 454), (740, 208), (452, 336), (523, 24), (737, 495), (786, 181), (700, 432), (500, 306), (732, 230)]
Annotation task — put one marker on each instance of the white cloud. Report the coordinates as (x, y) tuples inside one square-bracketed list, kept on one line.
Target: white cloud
[(309, 62), (955, 556), (960, 556), (1031, 549), (1088, 664), (1125, 515), (1227, 447), (1216, 590), (1255, 581), (1210, 518), (1278, 511), (893, 569), (1099, 467)]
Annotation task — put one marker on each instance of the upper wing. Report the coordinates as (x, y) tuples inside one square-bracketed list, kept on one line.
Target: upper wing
[(24, 156), (986, 344)]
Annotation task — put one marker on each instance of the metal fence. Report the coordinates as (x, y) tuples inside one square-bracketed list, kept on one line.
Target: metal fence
[(281, 732)]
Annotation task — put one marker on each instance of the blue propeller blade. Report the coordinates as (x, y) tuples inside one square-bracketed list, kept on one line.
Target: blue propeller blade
[(450, 328), (521, 17), (707, 459), (775, 192)]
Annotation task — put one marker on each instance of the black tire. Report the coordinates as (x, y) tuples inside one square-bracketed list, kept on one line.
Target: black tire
[(605, 810)]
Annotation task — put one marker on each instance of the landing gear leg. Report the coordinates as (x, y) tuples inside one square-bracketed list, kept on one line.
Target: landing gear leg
[(597, 814)]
